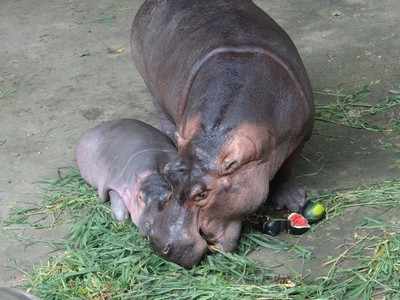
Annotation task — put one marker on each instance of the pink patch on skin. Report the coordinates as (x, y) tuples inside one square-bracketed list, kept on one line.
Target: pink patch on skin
[(224, 207), (246, 143), (187, 131), (131, 197)]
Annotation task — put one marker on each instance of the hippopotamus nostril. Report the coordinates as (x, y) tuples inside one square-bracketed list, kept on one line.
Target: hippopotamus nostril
[(147, 225), (166, 250), (146, 229)]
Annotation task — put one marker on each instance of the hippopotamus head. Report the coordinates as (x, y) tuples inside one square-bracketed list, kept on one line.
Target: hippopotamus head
[(166, 221), (229, 177)]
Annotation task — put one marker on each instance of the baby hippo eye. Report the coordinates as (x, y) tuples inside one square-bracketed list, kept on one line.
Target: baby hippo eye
[(164, 200), (140, 196), (167, 197)]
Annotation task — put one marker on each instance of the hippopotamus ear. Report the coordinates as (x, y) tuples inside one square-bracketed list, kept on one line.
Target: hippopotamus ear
[(175, 171), (237, 152), (242, 146)]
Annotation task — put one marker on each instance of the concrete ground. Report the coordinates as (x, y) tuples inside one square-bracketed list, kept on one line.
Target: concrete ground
[(65, 67)]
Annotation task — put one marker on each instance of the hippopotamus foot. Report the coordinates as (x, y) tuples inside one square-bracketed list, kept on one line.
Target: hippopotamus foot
[(118, 208), (289, 195), (285, 191)]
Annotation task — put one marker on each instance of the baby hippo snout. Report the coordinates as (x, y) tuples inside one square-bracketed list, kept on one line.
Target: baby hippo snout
[(173, 233), (186, 251)]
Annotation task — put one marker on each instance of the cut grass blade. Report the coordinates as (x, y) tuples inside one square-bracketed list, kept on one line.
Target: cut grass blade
[(6, 92)]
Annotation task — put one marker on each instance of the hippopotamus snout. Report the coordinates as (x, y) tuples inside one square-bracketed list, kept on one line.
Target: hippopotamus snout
[(174, 234), (165, 220), (186, 251)]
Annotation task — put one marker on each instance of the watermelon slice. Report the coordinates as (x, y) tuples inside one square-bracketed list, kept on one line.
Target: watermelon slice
[(274, 227), (297, 224)]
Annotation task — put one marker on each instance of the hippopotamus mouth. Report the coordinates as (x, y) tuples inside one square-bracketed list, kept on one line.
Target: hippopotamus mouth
[(213, 242)]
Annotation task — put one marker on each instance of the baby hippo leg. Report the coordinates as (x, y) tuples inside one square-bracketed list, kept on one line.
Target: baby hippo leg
[(118, 208)]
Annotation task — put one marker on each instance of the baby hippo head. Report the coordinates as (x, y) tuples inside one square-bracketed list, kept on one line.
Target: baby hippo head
[(166, 222)]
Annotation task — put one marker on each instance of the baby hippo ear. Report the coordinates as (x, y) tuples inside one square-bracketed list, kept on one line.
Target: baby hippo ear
[(165, 197), (175, 171)]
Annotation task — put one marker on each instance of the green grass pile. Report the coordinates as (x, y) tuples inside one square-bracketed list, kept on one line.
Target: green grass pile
[(375, 268), (380, 196), (353, 110), (101, 259)]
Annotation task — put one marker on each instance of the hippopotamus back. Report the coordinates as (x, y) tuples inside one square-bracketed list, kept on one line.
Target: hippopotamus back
[(186, 34), (114, 153)]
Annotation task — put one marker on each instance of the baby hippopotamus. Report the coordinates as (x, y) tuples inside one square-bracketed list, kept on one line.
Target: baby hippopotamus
[(128, 162)]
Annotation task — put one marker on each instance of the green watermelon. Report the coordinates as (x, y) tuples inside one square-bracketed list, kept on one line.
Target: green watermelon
[(314, 211)]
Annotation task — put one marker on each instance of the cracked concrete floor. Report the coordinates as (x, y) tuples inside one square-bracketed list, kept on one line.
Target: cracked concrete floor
[(59, 76)]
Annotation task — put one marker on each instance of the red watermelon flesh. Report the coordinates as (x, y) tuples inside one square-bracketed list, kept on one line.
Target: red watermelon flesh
[(298, 221)]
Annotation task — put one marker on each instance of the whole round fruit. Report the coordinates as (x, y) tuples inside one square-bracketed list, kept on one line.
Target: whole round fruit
[(314, 211)]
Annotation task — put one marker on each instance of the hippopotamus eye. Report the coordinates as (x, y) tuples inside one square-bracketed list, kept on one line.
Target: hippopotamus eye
[(200, 196), (199, 193), (229, 166), (140, 196)]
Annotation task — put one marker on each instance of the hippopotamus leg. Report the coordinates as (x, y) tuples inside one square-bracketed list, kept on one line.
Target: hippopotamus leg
[(289, 195), (118, 208), (285, 191)]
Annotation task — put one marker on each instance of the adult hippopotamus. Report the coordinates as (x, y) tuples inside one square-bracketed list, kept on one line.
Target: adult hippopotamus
[(234, 93), (128, 162)]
